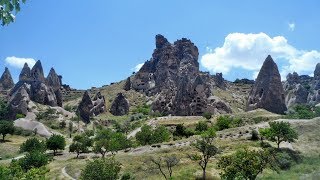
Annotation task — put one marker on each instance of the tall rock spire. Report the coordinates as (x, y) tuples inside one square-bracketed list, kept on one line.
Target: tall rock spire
[(267, 92), (6, 81)]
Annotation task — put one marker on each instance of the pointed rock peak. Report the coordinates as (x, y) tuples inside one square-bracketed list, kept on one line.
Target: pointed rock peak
[(6, 81), (317, 71), (37, 72), (161, 41), (52, 73), (269, 60), (25, 73)]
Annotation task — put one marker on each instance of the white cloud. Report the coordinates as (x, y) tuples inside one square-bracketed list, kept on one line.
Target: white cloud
[(248, 51), (291, 26), (19, 62), (137, 67)]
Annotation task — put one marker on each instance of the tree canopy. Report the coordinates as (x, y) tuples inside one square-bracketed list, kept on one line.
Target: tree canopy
[(7, 10)]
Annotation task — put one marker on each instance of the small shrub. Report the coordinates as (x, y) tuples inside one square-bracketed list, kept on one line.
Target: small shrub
[(62, 124), (18, 116), (255, 135), (223, 122), (201, 126), (207, 115)]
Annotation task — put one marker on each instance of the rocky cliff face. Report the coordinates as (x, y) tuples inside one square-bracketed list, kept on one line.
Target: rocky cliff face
[(6, 81), (172, 75), (267, 92), (303, 89), (38, 89), (89, 108)]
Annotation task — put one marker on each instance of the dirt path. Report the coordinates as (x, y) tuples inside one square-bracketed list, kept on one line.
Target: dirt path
[(65, 174), (133, 133)]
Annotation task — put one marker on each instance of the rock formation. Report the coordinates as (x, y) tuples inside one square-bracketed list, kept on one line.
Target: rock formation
[(127, 85), (38, 89), (88, 108), (6, 81), (120, 105), (172, 75), (303, 89), (267, 92)]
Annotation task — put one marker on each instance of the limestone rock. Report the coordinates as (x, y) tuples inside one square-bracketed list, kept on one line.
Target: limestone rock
[(127, 85), (6, 81), (172, 75), (53, 80), (120, 105), (219, 81), (267, 92), (25, 74), (18, 103), (37, 72), (88, 108)]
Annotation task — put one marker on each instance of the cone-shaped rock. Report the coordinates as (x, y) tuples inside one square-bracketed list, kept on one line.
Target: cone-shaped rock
[(127, 85), (267, 92), (37, 72), (85, 107), (6, 81), (317, 72), (120, 106), (25, 74), (53, 80)]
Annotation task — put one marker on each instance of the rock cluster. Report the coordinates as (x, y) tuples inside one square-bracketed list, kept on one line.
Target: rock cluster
[(120, 105), (172, 75), (33, 86), (303, 89), (91, 107), (268, 92), (6, 81)]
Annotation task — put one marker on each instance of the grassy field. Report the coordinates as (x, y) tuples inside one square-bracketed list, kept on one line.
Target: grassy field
[(11, 147)]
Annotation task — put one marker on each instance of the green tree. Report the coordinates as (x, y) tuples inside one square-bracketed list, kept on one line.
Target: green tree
[(34, 159), (149, 136), (280, 132), (207, 150), (33, 144), (160, 134), (246, 164), (144, 137), (4, 109), (101, 169), (80, 144), (56, 142), (109, 141), (7, 8), (6, 127), (14, 171), (70, 127)]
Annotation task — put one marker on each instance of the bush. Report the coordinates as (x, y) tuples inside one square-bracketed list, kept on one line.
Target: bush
[(18, 116), (284, 160), (144, 109), (149, 136), (223, 122), (33, 159), (33, 144), (182, 131), (127, 176), (201, 126), (255, 135), (207, 115), (301, 112), (62, 124), (6, 127), (101, 169)]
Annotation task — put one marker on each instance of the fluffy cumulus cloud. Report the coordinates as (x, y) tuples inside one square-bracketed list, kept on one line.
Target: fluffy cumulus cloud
[(248, 51), (291, 26), (19, 62), (137, 67)]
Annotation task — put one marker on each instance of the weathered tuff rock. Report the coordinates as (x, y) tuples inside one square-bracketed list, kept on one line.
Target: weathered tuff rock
[(303, 89), (172, 75), (19, 101), (120, 105), (38, 89), (6, 81), (88, 108), (267, 92), (54, 80), (127, 85)]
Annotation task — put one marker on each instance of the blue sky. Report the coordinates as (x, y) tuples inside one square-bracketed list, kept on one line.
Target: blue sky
[(93, 43)]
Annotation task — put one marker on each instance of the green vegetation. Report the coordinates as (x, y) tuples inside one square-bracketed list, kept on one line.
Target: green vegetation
[(149, 136), (56, 142), (34, 159), (144, 109), (6, 127), (182, 131), (7, 9), (303, 112), (168, 163), (225, 122), (14, 171), (207, 115), (108, 141), (207, 150), (80, 144), (279, 132), (246, 164), (101, 169), (4, 109), (33, 144), (201, 126)]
